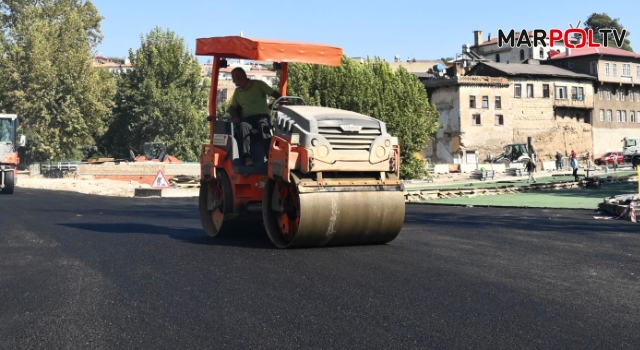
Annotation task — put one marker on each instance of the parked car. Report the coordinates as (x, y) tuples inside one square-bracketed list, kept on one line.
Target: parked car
[(608, 158)]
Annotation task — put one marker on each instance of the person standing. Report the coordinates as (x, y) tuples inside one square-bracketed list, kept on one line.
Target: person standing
[(531, 168), (574, 166), (558, 160), (588, 156), (615, 161)]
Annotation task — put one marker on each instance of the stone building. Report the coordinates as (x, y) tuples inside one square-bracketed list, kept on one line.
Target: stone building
[(497, 104), (616, 109)]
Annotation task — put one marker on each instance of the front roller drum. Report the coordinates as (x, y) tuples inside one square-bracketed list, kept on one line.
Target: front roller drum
[(215, 203), (330, 217)]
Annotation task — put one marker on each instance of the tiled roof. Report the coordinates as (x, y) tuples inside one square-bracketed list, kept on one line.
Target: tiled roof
[(586, 51), (533, 69)]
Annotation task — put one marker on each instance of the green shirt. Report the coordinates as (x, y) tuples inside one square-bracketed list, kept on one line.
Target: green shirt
[(253, 99)]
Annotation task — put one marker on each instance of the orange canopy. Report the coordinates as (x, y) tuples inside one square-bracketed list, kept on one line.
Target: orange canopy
[(268, 50)]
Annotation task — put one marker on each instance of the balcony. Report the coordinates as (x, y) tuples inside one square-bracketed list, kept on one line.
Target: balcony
[(575, 102)]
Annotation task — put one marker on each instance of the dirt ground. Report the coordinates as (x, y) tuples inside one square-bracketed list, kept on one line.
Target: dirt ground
[(103, 187)]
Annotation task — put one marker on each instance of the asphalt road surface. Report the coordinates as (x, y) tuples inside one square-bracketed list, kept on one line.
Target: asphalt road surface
[(88, 272)]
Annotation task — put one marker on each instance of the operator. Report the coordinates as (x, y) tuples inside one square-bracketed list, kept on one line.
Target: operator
[(249, 109), (5, 132)]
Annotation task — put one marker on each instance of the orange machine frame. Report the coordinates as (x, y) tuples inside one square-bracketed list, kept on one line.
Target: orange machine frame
[(250, 188)]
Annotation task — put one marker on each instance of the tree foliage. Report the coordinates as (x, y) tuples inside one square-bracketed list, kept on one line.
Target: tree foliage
[(602, 21), (164, 99), (47, 76), (373, 88)]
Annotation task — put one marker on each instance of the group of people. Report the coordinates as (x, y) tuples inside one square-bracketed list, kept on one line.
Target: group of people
[(530, 166)]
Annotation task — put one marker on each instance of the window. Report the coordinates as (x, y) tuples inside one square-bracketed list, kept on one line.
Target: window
[(638, 71), (518, 90), (499, 119), (521, 54), (631, 95), (472, 102), (614, 71), (638, 96), (632, 117), (485, 101), (606, 69), (618, 116), (623, 116), (577, 93), (600, 93), (476, 119), (497, 57), (593, 67), (638, 114), (602, 115), (545, 90), (609, 115), (608, 93), (622, 94), (561, 92), (541, 53), (529, 90), (626, 70), (498, 102)]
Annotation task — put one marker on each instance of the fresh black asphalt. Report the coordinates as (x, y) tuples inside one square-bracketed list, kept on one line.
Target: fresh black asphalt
[(89, 272)]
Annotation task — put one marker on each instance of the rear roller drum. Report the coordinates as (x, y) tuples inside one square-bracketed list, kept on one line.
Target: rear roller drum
[(215, 202), (330, 216)]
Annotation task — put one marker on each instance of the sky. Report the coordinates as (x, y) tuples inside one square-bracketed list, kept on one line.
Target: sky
[(417, 29)]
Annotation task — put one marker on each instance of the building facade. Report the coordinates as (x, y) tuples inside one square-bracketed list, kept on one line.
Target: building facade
[(498, 104), (616, 110)]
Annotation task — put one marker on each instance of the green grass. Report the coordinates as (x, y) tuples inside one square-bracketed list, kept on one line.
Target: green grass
[(576, 198)]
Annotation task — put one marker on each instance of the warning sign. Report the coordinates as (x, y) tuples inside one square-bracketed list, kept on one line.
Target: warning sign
[(160, 181)]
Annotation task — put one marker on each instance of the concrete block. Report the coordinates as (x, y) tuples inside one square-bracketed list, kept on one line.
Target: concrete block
[(166, 192), (467, 168), (550, 165), (441, 168)]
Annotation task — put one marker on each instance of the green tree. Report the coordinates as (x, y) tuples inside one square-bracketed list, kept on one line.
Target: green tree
[(47, 77), (602, 21), (164, 99), (373, 88)]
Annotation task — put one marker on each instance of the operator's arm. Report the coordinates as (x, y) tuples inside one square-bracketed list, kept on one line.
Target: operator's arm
[(235, 114), (276, 94), (234, 109)]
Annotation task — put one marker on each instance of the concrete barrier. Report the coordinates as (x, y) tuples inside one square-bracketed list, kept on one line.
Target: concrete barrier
[(441, 168), (550, 165), (142, 172)]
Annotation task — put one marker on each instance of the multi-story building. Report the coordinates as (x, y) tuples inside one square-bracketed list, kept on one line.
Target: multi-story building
[(507, 54), (616, 109), (497, 104)]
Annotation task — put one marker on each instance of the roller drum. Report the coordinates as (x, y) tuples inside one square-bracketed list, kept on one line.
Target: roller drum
[(334, 217)]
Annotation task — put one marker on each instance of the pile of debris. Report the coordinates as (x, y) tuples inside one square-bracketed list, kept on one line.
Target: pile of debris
[(185, 181)]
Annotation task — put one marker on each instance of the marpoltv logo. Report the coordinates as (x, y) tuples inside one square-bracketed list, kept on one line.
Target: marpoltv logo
[(581, 37)]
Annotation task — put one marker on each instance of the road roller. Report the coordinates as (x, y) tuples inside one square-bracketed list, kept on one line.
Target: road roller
[(322, 177)]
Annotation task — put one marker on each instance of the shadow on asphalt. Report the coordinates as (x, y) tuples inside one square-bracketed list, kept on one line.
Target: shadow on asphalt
[(240, 234)]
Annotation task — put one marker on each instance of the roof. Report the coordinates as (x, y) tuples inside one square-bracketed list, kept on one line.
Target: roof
[(268, 50), (517, 69), (587, 51), (465, 80)]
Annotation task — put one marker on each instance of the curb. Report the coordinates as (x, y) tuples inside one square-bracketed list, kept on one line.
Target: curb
[(166, 192)]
